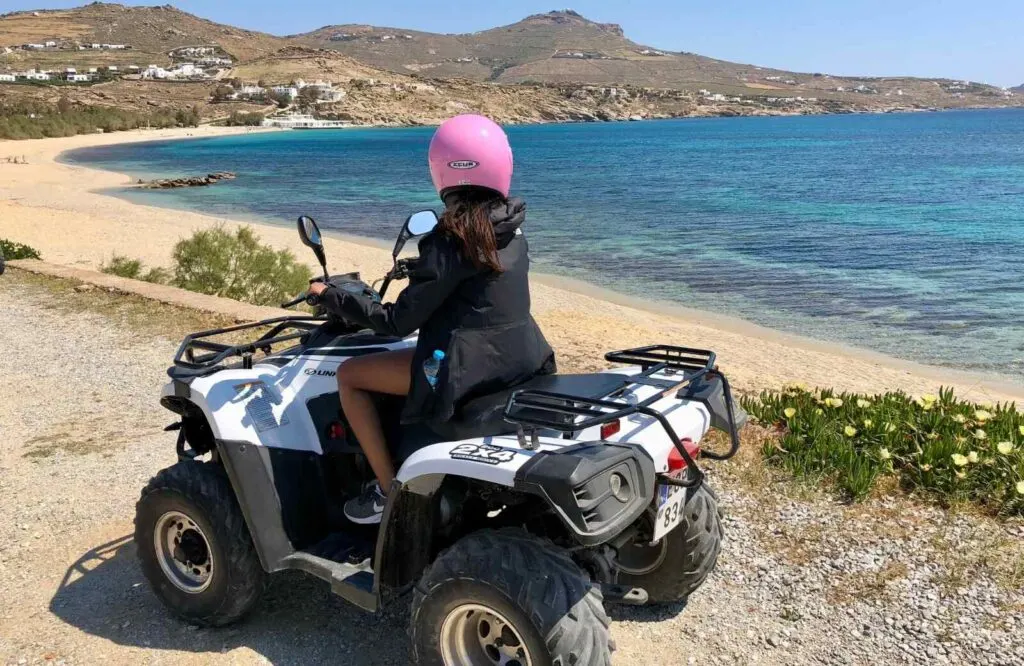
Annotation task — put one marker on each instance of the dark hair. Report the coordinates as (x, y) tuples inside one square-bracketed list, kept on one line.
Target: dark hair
[(467, 218)]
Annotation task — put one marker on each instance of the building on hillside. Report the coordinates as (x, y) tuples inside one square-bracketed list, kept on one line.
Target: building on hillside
[(33, 47), (290, 92), (50, 44), (251, 91), (154, 72), (112, 68), (7, 78), (33, 75), (77, 78)]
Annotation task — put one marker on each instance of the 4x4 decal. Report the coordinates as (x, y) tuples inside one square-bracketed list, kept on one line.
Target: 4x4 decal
[(484, 453)]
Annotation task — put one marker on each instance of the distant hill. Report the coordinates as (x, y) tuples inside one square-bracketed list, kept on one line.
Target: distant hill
[(149, 31), (556, 47), (563, 47), (1019, 89), (553, 66)]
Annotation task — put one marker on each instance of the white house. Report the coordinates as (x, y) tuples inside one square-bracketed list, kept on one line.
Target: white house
[(35, 47), (154, 72), (7, 78), (288, 91), (113, 68), (93, 70), (77, 78), (50, 44), (251, 91), (33, 75)]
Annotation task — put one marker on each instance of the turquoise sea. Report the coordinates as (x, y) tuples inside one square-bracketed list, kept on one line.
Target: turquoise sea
[(898, 233)]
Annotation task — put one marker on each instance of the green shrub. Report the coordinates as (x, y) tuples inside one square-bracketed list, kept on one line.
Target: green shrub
[(237, 265), (30, 119), (133, 269), (241, 118), (10, 250), (951, 449)]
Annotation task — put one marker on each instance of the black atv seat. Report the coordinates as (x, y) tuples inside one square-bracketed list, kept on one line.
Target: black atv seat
[(484, 416)]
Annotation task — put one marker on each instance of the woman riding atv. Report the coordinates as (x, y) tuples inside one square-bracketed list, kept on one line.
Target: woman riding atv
[(468, 295)]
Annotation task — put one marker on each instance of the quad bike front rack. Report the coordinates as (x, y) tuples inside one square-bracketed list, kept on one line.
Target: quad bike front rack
[(690, 373), (189, 364)]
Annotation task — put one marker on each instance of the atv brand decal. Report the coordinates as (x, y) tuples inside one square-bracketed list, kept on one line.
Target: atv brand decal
[(463, 164), (320, 373), (483, 453)]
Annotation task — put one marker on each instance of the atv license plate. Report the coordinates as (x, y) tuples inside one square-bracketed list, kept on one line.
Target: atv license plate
[(671, 500)]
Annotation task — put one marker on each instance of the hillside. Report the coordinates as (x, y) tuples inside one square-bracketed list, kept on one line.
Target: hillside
[(150, 33), (1018, 90), (548, 67), (563, 47)]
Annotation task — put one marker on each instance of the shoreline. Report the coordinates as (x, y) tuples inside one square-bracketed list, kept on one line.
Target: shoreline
[(58, 207)]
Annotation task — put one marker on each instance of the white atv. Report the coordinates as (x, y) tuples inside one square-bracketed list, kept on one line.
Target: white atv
[(513, 527)]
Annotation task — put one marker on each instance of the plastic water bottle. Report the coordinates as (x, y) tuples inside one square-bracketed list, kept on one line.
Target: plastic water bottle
[(432, 366)]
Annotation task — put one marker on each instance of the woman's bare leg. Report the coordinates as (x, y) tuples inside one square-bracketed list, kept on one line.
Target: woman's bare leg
[(386, 372)]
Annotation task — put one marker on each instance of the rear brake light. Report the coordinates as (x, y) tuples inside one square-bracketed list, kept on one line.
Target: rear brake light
[(675, 459), (336, 430), (610, 428)]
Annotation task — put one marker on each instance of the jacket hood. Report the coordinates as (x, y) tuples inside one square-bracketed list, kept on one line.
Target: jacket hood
[(508, 216)]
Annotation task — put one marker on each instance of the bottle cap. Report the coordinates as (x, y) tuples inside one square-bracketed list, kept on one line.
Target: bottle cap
[(438, 355)]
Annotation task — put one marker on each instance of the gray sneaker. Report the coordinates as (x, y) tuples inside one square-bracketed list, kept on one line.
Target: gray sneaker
[(368, 507)]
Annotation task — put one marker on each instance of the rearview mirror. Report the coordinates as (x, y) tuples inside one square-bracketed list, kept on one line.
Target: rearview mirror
[(416, 224), (310, 235)]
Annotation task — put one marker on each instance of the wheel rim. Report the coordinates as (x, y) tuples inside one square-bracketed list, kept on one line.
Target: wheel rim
[(475, 635), (183, 552)]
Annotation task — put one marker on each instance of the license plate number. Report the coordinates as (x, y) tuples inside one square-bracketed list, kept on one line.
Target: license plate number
[(671, 501)]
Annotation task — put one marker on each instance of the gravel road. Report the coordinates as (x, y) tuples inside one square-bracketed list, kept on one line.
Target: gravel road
[(802, 580)]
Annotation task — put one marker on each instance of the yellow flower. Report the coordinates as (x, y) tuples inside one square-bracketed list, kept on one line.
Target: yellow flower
[(959, 460), (890, 427), (1004, 448), (818, 411), (833, 402), (980, 434), (868, 423), (961, 475), (884, 454), (789, 412), (926, 468), (1021, 430), (863, 404), (981, 415), (929, 397), (850, 431), (1020, 487), (960, 418), (973, 456)]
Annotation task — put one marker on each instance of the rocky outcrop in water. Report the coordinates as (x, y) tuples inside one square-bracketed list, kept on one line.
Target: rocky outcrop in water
[(190, 181)]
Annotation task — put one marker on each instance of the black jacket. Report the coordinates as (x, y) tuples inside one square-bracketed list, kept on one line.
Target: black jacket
[(481, 320)]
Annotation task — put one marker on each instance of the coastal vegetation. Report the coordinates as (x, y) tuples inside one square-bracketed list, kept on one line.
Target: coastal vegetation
[(30, 119), (10, 250), (245, 119), (219, 262), (937, 445), (134, 269)]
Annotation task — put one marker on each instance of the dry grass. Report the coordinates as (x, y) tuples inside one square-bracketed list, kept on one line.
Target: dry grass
[(132, 313)]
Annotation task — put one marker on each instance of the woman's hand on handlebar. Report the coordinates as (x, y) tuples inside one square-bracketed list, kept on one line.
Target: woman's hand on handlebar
[(317, 288)]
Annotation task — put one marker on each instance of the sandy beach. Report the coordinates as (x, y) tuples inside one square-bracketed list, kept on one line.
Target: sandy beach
[(57, 208)]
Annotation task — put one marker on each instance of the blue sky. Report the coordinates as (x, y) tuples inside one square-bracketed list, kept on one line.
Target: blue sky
[(981, 40)]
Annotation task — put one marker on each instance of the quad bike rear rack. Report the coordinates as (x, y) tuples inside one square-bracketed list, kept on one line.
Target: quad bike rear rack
[(189, 364), (690, 373)]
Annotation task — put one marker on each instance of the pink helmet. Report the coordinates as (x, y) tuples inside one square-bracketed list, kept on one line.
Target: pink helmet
[(470, 150)]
